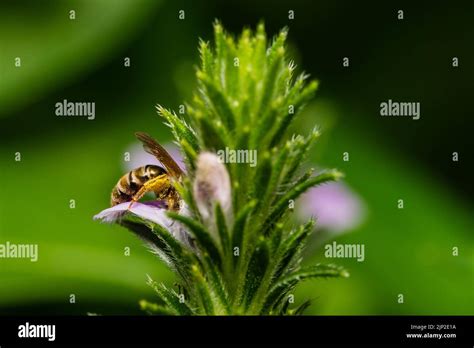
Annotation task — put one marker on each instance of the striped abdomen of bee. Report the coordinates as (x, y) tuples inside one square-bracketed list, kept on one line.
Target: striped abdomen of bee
[(133, 185)]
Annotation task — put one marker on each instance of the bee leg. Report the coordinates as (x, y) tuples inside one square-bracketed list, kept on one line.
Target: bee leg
[(136, 197), (155, 184), (173, 203)]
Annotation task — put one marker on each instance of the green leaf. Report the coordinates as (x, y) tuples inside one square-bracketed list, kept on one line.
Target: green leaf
[(277, 293), (217, 284), (185, 190), (207, 58), (317, 271), (217, 101), (296, 191), (227, 51), (203, 290), (179, 256), (256, 270), (223, 231), (292, 245), (284, 121), (259, 58), (156, 309), (201, 234), (239, 226), (170, 298), (213, 134), (264, 172), (190, 155), (181, 130), (145, 233), (301, 308), (273, 178), (298, 148), (269, 86), (156, 244)]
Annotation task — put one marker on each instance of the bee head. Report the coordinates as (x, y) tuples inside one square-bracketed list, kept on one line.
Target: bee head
[(154, 171)]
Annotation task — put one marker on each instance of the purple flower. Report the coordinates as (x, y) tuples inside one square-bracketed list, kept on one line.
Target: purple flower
[(152, 211), (336, 207)]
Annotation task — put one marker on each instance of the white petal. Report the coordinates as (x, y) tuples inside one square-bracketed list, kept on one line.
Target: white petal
[(112, 214)]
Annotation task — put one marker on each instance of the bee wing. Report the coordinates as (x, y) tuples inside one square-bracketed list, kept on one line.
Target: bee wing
[(151, 146)]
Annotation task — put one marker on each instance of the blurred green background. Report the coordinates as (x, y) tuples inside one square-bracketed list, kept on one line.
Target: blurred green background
[(408, 251)]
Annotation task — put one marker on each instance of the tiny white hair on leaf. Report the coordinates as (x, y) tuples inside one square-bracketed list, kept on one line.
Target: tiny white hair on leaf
[(211, 185), (179, 231), (159, 253)]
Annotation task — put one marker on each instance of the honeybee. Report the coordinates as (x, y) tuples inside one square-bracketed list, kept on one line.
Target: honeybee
[(150, 178)]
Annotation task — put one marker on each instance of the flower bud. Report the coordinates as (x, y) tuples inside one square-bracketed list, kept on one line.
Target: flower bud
[(211, 185)]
